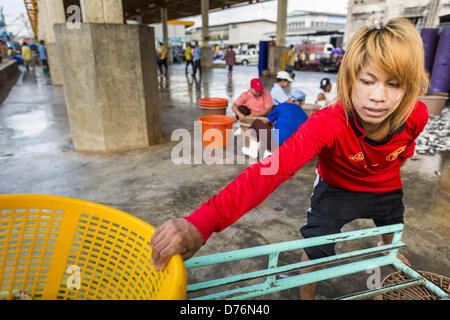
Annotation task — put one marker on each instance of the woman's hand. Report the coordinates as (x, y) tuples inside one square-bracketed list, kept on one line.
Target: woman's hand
[(176, 236)]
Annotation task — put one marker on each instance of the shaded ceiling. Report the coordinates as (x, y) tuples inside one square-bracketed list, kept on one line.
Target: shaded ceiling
[(150, 10)]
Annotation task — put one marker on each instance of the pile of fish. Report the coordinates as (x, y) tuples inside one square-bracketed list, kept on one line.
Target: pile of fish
[(436, 135)]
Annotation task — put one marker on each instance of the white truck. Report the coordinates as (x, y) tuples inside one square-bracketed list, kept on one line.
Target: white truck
[(249, 56)]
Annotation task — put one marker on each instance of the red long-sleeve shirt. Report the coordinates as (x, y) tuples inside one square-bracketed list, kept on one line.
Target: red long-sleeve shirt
[(347, 159)]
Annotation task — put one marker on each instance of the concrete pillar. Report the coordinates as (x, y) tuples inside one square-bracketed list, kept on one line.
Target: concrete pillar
[(43, 26), (55, 14), (207, 56), (276, 53), (110, 85), (275, 60), (164, 26), (281, 23), (165, 32), (102, 11), (51, 12), (205, 22), (348, 25)]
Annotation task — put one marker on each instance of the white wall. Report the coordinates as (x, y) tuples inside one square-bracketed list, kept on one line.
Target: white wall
[(251, 32)]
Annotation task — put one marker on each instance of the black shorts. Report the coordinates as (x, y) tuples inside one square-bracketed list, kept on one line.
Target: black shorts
[(332, 208)]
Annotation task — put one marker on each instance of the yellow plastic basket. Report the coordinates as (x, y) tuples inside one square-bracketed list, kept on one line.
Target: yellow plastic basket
[(55, 248)]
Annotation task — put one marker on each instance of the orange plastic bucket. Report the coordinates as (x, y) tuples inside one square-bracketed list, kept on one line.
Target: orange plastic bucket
[(213, 102), (213, 106), (221, 136)]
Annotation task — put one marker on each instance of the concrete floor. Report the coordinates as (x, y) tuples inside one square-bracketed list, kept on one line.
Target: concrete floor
[(37, 156)]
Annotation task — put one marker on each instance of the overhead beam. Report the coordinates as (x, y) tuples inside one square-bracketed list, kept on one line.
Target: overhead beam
[(32, 11), (150, 10)]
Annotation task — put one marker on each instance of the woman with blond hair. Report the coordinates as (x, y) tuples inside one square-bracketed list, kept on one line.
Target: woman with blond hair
[(361, 141)]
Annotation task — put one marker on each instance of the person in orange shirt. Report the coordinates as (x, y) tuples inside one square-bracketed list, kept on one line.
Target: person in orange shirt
[(255, 102)]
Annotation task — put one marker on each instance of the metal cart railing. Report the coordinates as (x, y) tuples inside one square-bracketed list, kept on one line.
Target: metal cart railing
[(273, 283)]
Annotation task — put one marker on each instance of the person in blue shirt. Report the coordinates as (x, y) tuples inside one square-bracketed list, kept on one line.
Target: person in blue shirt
[(43, 53), (197, 60), (286, 117), (277, 92)]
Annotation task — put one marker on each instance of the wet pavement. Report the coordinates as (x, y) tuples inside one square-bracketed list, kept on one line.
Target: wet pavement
[(37, 156)]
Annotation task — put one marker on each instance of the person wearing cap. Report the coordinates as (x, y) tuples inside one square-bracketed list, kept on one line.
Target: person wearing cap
[(255, 102), (277, 92), (287, 117), (323, 97)]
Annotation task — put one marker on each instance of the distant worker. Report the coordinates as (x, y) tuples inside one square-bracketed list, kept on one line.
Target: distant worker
[(290, 61), (197, 60), (324, 95), (188, 56), (230, 59), (26, 55), (298, 61), (43, 53), (163, 52), (306, 60), (277, 92)]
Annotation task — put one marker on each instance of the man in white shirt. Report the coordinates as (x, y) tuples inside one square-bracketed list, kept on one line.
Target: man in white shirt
[(324, 96), (277, 92)]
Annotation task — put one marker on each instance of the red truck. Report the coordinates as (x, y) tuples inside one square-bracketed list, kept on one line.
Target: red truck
[(318, 57)]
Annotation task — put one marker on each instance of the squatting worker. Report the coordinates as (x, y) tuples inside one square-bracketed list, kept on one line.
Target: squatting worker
[(361, 142), (285, 118), (324, 96), (256, 101), (277, 92)]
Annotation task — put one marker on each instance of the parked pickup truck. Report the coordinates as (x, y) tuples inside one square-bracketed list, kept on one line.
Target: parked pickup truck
[(248, 57)]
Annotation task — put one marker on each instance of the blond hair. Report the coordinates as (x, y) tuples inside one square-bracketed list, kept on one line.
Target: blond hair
[(397, 50)]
